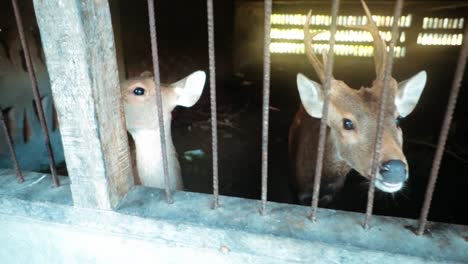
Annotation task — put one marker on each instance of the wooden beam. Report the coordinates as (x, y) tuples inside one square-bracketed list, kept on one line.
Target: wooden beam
[(80, 53)]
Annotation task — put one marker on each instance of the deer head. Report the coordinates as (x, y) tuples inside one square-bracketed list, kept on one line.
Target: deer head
[(353, 113), (139, 97)]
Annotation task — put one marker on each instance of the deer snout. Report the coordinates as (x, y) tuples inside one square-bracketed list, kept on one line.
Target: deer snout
[(392, 175), (393, 171)]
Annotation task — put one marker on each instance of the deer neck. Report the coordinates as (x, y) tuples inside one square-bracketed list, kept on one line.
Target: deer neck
[(149, 160)]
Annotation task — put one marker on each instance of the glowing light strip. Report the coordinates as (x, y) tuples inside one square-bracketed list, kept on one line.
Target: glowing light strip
[(341, 35), (340, 49), (325, 20), (443, 22), (427, 39)]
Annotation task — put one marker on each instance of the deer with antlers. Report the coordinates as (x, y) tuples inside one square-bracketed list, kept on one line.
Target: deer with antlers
[(351, 125)]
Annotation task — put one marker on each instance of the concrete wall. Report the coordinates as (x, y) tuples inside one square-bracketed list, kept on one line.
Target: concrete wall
[(39, 224)]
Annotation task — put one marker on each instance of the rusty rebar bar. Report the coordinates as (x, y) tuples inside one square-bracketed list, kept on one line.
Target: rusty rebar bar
[(323, 121), (214, 118), (157, 81), (35, 89), (461, 64), (14, 160), (383, 105), (266, 102)]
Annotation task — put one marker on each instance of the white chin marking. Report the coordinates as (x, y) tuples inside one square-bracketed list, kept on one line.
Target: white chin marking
[(387, 187)]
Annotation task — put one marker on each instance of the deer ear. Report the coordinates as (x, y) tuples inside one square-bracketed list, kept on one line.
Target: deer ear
[(409, 92), (311, 95), (146, 74), (189, 89)]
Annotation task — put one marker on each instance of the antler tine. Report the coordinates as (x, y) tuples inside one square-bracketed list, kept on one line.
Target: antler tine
[(380, 48), (313, 59)]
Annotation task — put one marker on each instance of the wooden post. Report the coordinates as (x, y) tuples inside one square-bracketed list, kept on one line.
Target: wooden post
[(80, 53)]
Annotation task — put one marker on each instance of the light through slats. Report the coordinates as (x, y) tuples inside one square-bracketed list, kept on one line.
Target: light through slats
[(341, 35), (443, 23), (439, 39), (340, 49), (325, 20)]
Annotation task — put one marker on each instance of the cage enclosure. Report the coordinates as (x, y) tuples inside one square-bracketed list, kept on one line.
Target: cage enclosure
[(430, 39)]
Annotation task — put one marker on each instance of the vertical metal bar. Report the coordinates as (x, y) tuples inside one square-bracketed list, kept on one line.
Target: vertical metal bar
[(266, 102), (9, 141), (157, 81), (214, 118), (323, 122), (461, 64), (37, 96), (383, 104)]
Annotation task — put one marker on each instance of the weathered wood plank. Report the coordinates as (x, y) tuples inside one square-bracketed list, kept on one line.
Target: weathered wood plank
[(80, 53)]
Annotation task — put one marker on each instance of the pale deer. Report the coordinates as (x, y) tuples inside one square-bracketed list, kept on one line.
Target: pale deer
[(351, 125), (139, 98)]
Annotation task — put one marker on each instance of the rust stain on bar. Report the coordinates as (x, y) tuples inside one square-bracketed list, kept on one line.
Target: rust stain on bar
[(35, 88), (383, 103), (323, 121), (266, 102), (157, 81), (19, 176), (214, 118), (461, 64)]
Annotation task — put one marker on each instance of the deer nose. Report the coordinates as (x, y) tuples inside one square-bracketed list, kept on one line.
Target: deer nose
[(393, 171)]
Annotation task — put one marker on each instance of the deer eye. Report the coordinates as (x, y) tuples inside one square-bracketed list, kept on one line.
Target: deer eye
[(398, 121), (348, 124), (138, 91)]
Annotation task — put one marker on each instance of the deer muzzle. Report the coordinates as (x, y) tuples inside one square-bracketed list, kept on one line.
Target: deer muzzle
[(391, 176)]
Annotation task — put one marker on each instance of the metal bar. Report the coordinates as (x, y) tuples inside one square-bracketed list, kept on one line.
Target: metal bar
[(9, 141), (323, 122), (383, 104), (266, 102), (157, 81), (461, 64), (214, 118), (35, 88)]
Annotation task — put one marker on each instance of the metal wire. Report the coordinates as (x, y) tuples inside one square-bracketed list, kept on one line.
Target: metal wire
[(214, 118), (157, 81), (266, 102), (19, 176), (323, 122), (461, 64), (37, 96), (383, 104)]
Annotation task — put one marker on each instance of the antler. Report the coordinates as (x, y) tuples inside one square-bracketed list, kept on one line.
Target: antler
[(380, 48), (308, 37)]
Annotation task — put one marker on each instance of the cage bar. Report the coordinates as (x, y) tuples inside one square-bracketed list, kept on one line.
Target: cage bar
[(214, 118), (461, 64), (266, 101), (35, 89), (9, 141), (323, 121), (380, 122), (157, 81)]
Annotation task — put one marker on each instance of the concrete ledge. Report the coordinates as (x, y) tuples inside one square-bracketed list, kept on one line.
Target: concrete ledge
[(38, 223)]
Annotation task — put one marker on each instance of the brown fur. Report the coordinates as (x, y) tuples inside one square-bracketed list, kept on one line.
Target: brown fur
[(351, 147), (344, 149)]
